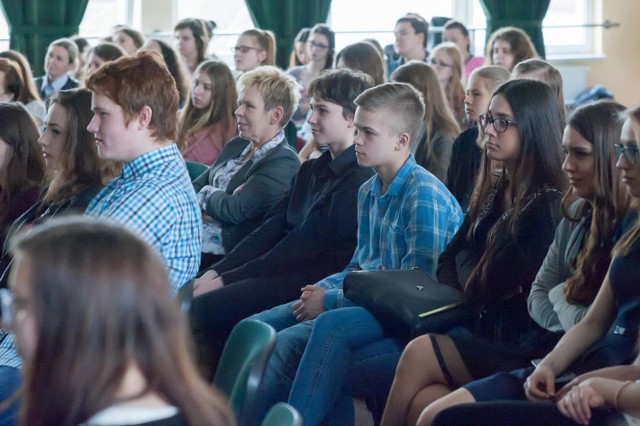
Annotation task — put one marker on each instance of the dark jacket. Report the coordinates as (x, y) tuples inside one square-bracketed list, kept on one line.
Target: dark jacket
[(71, 83), (264, 184), (314, 225)]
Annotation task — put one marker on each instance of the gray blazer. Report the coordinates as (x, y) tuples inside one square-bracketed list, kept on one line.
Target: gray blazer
[(264, 185)]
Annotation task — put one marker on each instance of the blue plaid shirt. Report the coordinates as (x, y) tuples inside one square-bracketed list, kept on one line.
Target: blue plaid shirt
[(8, 354), (407, 226), (154, 197)]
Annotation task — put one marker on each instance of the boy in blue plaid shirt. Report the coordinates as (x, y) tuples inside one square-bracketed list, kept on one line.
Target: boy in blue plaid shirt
[(135, 102)]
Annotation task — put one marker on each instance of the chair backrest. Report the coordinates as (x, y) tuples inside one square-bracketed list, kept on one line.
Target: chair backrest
[(282, 414), (195, 169), (242, 365)]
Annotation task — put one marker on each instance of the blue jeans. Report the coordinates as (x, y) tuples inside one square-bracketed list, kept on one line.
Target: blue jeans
[(283, 363), (10, 381), (320, 392)]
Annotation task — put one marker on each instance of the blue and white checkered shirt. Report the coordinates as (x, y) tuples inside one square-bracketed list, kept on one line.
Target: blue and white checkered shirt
[(407, 226), (155, 198), (8, 354)]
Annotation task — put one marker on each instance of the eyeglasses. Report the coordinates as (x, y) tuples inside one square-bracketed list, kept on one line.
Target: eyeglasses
[(499, 124), (438, 64), (244, 49), (313, 44), (630, 153)]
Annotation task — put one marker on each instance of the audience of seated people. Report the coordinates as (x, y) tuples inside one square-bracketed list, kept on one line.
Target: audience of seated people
[(405, 219), (207, 122), (254, 170), (563, 288), (310, 234), (432, 146), (514, 215), (257, 230)]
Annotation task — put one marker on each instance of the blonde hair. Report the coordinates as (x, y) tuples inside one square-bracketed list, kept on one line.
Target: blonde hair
[(454, 90), (547, 73), (267, 42), (276, 88)]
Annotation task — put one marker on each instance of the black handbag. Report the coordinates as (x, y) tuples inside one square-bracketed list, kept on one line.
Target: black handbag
[(408, 303)]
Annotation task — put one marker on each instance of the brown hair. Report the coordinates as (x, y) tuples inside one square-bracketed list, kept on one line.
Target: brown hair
[(224, 98), (139, 80), (79, 166), (521, 46), (136, 36), (363, 56), (437, 114), (301, 37), (598, 123), (176, 67), (26, 167), (13, 80), (202, 31), (118, 310), (31, 92), (535, 108), (454, 90)]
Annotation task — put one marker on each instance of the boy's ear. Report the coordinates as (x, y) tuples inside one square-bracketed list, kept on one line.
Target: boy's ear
[(403, 141), (276, 114), (143, 117)]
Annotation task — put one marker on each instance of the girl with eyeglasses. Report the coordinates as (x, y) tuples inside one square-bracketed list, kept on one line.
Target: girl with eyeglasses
[(254, 47), (321, 45), (601, 349), (208, 121), (496, 253), (446, 60)]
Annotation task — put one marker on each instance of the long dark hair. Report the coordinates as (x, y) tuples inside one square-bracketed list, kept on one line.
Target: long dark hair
[(101, 302), (598, 123), (80, 166), (539, 165)]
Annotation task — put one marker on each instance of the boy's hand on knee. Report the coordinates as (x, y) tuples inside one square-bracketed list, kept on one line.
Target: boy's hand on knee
[(311, 303)]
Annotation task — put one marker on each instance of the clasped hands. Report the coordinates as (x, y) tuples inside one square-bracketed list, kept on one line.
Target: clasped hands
[(311, 303)]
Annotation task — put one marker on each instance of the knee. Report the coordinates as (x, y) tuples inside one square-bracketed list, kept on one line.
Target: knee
[(415, 355)]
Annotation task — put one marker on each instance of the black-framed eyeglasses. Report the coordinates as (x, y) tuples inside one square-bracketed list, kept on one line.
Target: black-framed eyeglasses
[(630, 153), (499, 124), (244, 49), (318, 45), (438, 64)]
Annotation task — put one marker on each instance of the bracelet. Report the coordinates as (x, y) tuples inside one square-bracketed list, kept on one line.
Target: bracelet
[(616, 397)]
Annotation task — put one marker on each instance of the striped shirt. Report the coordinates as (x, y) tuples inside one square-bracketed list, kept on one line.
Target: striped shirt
[(154, 197), (407, 226), (8, 354)]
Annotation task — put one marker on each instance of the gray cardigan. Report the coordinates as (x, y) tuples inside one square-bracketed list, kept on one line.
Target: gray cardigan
[(547, 303), (263, 186)]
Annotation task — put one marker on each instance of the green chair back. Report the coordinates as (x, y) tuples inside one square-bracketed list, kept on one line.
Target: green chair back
[(242, 365), (195, 169), (282, 414)]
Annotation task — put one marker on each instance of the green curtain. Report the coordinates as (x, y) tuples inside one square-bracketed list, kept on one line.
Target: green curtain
[(285, 18), (524, 14), (33, 24)]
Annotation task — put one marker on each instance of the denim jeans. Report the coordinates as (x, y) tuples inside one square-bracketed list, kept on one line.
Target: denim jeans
[(283, 363), (343, 339), (10, 381)]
